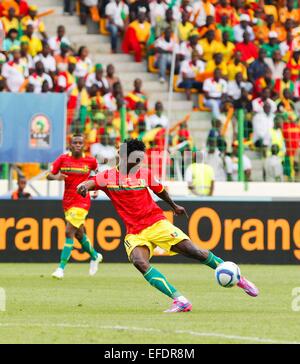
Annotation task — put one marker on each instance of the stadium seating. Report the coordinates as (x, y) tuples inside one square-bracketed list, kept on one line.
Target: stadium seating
[(201, 24)]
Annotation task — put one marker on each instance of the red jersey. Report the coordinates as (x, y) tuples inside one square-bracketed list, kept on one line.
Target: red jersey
[(131, 197), (249, 51), (78, 170), (23, 8)]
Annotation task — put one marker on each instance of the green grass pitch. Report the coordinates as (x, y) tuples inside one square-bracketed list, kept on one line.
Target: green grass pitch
[(118, 306)]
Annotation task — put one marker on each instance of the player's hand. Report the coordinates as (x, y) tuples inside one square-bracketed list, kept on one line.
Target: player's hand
[(179, 210), (61, 177), (82, 190)]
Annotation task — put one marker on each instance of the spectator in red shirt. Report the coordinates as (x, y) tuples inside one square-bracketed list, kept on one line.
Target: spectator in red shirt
[(137, 95), (248, 49)]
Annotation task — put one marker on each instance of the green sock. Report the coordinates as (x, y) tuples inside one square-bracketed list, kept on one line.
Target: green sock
[(159, 281), (87, 247), (66, 253), (212, 261)]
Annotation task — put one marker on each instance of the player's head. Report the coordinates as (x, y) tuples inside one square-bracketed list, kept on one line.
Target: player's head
[(77, 144), (132, 153), (21, 183)]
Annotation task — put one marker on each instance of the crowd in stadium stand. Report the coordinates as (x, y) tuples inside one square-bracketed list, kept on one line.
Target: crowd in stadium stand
[(229, 55)]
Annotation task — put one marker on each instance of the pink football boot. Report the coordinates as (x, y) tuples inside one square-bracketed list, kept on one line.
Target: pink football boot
[(178, 306), (248, 287)]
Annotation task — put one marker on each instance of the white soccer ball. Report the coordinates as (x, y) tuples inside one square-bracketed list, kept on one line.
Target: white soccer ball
[(227, 274)]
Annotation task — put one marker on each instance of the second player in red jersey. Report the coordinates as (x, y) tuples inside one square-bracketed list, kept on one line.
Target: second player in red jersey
[(74, 168), (76, 171)]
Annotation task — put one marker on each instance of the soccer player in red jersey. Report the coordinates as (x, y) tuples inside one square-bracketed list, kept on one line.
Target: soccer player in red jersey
[(73, 168), (127, 187)]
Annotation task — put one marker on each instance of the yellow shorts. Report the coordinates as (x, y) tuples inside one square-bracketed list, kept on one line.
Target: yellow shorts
[(162, 234), (76, 216)]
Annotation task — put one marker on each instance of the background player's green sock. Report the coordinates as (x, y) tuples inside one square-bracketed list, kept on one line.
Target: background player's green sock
[(159, 281), (87, 247), (66, 253), (212, 261)]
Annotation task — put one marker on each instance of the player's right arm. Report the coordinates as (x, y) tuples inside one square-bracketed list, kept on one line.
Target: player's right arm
[(84, 187), (55, 174), (98, 182), (160, 192)]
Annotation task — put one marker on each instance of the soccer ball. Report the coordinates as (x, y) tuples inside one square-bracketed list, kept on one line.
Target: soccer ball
[(227, 274)]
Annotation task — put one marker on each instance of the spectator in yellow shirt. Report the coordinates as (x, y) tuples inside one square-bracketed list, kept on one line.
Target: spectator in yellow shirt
[(262, 31), (185, 27), (168, 22), (31, 18), (216, 62), (235, 66), (35, 44), (270, 9), (137, 35), (200, 178), (209, 46), (227, 47), (288, 12), (10, 21), (142, 27), (210, 25)]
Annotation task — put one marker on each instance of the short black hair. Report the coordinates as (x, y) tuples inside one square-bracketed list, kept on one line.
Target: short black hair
[(80, 50), (21, 177), (12, 30), (133, 145)]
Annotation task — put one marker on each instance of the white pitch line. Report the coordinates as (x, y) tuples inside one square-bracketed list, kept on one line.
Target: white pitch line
[(234, 337), (145, 329)]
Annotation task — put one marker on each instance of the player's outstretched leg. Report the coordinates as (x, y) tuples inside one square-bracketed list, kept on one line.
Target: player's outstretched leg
[(188, 249), (140, 259), (96, 257), (66, 252)]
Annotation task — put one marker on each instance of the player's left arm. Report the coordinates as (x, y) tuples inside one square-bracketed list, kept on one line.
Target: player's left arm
[(178, 210), (156, 186)]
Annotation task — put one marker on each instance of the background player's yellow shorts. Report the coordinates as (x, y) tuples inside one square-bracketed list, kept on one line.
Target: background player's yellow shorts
[(76, 216), (162, 234)]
